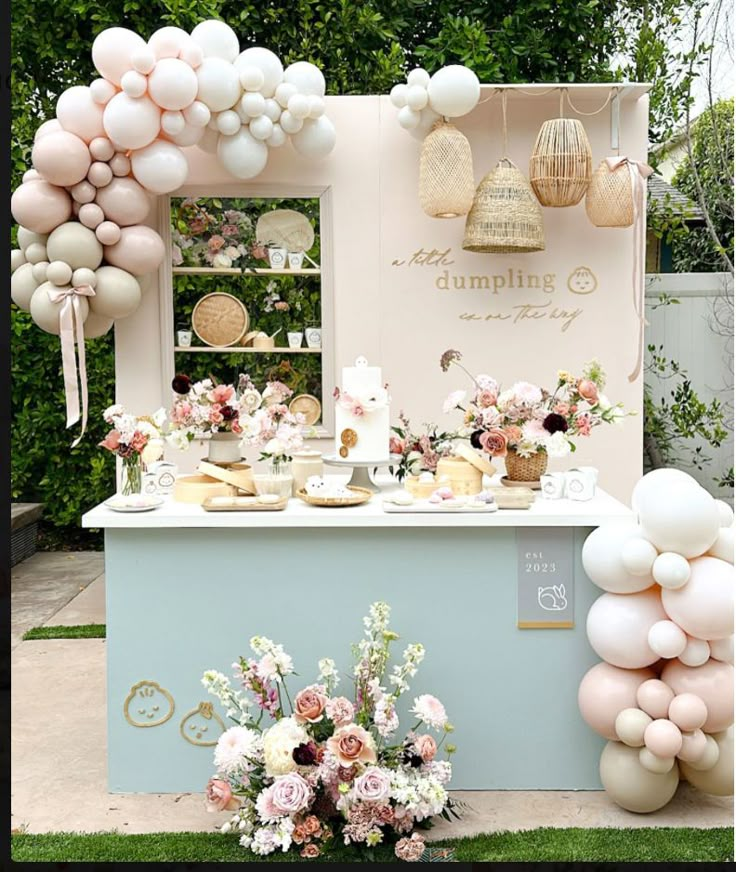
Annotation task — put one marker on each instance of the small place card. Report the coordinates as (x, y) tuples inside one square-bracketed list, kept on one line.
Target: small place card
[(545, 585)]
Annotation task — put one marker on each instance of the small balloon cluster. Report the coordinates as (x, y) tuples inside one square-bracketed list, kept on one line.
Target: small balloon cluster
[(451, 92), (664, 695)]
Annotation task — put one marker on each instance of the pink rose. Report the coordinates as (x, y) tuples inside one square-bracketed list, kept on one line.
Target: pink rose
[(340, 710), (426, 747), (396, 445), (352, 744), (588, 390), (513, 433), (309, 704), (486, 398), (373, 785), (216, 417), (215, 243), (222, 394), (494, 442), (561, 409), (111, 441), (290, 794), (229, 230), (219, 797)]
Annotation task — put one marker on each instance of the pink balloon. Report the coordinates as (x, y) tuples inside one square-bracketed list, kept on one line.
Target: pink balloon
[(192, 54), (704, 606), (108, 233), (40, 206), (91, 215), (102, 91), (688, 712), (101, 148), (31, 174), (140, 250), (167, 41), (112, 51), (693, 747), (605, 692), (80, 113), (83, 192), (53, 125), (124, 201), (663, 738), (131, 122), (654, 697), (99, 174), (712, 682), (172, 84), (120, 164), (618, 627), (62, 158)]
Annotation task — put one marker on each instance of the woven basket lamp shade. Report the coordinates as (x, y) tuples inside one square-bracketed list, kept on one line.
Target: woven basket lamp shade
[(561, 163), (446, 183), (505, 217), (610, 199)]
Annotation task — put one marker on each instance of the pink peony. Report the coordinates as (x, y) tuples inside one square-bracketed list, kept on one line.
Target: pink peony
[(588, 390), (229, 230), (426, 747), (309, 704), (352, 744), (494, 442), (219, 796), (340, 710), (290, 793), (222, 394), (373, 785), (513, 433), (111, 441)]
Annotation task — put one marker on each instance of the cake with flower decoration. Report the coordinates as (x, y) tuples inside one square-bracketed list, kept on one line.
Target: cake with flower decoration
[(362, 424)]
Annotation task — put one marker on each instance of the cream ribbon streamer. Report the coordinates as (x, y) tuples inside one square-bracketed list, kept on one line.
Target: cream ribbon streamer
[(639, 172), (71, 322)]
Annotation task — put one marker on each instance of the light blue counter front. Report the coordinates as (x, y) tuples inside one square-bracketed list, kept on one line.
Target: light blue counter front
[(180, 601)]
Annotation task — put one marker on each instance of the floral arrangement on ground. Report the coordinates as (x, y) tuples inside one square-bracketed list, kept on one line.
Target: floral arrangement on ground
[(327, 767)]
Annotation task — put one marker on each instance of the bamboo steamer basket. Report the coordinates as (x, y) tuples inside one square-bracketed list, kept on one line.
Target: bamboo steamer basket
[(463, 478), (197, 488), (610, 199)]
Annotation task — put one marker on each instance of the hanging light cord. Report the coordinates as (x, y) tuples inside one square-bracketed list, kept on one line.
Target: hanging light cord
[(504, 101), (613, 92)]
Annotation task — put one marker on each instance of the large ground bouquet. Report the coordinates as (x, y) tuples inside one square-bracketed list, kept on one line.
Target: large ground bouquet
[(299, 774)]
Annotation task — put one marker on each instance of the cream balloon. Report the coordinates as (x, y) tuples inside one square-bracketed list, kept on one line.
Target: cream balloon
[(453, 91), (117, 293), (172, 84), (718, 780), (253, 105), (17, 258), (671, 570), (99, 174), (605, 691), (618, 627), (96, 326), (316, 106), (218, 85), (84, 276), (197, 114), (656, 480), (272, 109), (638, 556), (102, 91), (242, 155), (168, 41), (602, 558), (134, 83), (26, 237), (630, 726), (694, 745), (268, 63), (654, 697), (696, 652), (725, 513), (277, 137), (79, 113), (723, 547), (261, 128), (251, 77), (663, 738), (161, 167), (39, 272), (139, 250), (100, 147), (284, 92), (418, 78), (681, 518), (51, 126), (190, 135), (667, 639), (35, 252), (409, 118), (22, 285), (172, 123), (62, 158), (112, 52), (298, 105), (108, 233), (289, 124), (131, 123), (120, 165), (228, 122), (316, 139), (659, 765), (76, 245), (632, 786), (143, 60), (709, 757), (46, 313), (712, 682), (688, 712), (306, 78), (217, 40), (427, 119), (398, 95), (722, 649), (192, 54), (29, 175), (59, 273), (417, 97), (704, 606), (91, 216)]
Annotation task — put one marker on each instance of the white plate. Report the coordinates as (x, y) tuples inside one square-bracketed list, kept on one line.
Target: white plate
[(136, 503)]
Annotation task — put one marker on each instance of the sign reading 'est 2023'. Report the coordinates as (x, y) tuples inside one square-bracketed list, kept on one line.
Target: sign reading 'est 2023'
[(545, 586)]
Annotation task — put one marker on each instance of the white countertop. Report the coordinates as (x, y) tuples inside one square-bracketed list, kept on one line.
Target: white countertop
[(544, 513)]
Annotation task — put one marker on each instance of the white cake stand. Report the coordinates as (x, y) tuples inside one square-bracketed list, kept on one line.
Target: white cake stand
[(361, 469)]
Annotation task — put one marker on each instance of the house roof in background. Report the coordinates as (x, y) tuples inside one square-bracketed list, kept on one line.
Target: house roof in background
[(662, 193)]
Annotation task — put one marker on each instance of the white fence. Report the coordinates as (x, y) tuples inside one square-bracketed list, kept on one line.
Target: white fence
[(698, 334)]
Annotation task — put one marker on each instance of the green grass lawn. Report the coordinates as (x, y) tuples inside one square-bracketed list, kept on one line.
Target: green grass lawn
[(78, 631), (659, 844)]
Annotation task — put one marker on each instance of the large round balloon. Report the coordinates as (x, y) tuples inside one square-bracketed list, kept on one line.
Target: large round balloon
[(718, 780), (62, 158), (76, 245), (632, 786), (40, 206), (96, 326), (602, 558), (79, 113), (172, 84), (316, 138), (161, 167), (306, 77), (723, 547), (712, 682), (131, 122), (453, 91), (605, 691), (704, 606), (139, 250), (618, 627), (27, 237), (168, 41), (124, 201), (655, 481), (268, 63), (218, 84), (51, 126), (112, 52), (242, 155), (46, 313), (680, 517), (667, 639), (722, 649), (117, 293), (217, 40), (22, 286), (190, 135)]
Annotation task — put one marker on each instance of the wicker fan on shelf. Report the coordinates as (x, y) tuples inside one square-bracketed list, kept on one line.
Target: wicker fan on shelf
[(446, 182), (561, 163), (285, 228), (610, 198)]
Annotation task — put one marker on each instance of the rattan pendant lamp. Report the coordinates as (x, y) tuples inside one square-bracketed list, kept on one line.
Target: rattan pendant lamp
[(446, 181), (505, 217)]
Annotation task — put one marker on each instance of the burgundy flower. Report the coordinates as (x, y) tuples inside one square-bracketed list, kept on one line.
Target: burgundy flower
[(181, 384), (305, 754), (555, 423), (475, 438), (228, 413)]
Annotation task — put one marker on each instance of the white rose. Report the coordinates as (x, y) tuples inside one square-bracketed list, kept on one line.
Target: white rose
[(278, 746)]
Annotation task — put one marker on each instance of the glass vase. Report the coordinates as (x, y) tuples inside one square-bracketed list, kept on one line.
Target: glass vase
[(131, 475), (277, 480)]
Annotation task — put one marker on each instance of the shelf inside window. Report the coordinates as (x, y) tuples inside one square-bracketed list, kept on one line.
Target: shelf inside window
[(235, 271), (236, 349)]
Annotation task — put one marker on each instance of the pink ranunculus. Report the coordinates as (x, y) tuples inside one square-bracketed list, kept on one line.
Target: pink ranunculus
[(396, 445), (281, 306), (216, 417), (373, 785), (215, 243), (494, 442), (352, 744), (426, 747), (219, 796), (222, 394), (486, 398), (340, 710), (111, 441), (291, 794), (583, 424), (561, 409), (309, 704), (588, 390)]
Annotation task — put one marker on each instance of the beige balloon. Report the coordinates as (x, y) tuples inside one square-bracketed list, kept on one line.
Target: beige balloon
[(46, 313), (117, 293), (27, 237), (22, 286), (96, 326), (709, 758), (17, 258), (40, 206), (632, 786), (76, 245), (139, 250), (631, 724), (124, 201), (652, 763), (719, 779)]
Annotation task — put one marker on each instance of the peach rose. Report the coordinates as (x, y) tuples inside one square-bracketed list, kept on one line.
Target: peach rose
[(486, 398), (309, 852), (219, 797), (495, 442), (588, 390), (426, 747), (309, 705), (513, 433), (352, 744)]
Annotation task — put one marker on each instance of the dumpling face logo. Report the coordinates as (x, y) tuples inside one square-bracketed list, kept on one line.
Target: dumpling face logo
[(582, 280), (202, 726), (148, 705)]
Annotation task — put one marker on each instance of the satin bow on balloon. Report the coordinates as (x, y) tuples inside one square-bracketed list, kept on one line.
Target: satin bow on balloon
[(71, 322), (638, 172)]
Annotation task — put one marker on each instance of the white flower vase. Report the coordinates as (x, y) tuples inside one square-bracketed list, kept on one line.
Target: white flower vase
[(224, 447)]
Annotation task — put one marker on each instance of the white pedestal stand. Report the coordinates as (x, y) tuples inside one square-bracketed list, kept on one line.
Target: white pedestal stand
[(361, 469)]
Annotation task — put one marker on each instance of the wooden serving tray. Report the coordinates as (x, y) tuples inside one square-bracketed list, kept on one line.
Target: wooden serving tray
[(360, 495), (242, 504), (425, 507)]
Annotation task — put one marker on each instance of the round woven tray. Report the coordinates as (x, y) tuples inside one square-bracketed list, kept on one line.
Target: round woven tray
[(220, 320), (362, 495), (309, 406)]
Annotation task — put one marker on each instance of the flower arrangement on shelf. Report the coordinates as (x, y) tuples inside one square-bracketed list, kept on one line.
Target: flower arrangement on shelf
[(270, 425), (325, 767), (419, 452), (200, 238), (202, 408), (137, 440)]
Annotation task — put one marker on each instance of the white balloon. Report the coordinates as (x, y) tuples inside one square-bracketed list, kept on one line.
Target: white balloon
[(22, 285), (398, 95), (251, 77), (253, 104), (409, 118), (197, 114), (172, 84), (102, 91), (680, 517), (696, 653), (638, 556), (316, 106), (242, 155), (289, 123), (166, 42), (39, 272), (228, 122), (46, 313), (26, 237), (268, 63), (143, 60), (667, 639), (417, 97), (35, 252), (218, 84), (306, 77), (131, 123), (418, 77), (316, 139), (58, 273), (261, 127), (272, 109), (725, 513), (722, 649), (654, 481), (602, 558), (283, 93), (723, 547), (161, 167), (453, 91), (671, 570), (17, 258), (299, 105), (112, 52), (217, 40), (172, 123), (134, 84), (427, 118), (190, 135), (277, 137)]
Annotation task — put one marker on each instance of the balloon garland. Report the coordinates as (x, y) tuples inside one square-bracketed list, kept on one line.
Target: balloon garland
[(81, 209), (663, 696), (451, 92)]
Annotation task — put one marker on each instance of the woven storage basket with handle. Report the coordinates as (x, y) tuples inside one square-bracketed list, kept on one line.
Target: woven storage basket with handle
[(525, 468), (561, 163), (505, 217), (610, 199), (446, 183)]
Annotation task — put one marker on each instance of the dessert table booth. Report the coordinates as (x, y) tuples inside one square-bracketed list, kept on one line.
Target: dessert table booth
[(499, 599)]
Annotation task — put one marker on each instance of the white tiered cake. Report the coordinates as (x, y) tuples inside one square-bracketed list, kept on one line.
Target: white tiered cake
[(362, 422)]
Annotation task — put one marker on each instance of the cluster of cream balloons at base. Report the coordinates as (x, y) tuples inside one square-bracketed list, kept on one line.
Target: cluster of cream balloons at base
[(664, 694), (452, 91)]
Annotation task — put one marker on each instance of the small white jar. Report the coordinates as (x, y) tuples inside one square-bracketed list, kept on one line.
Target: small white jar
[(303, 465)]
